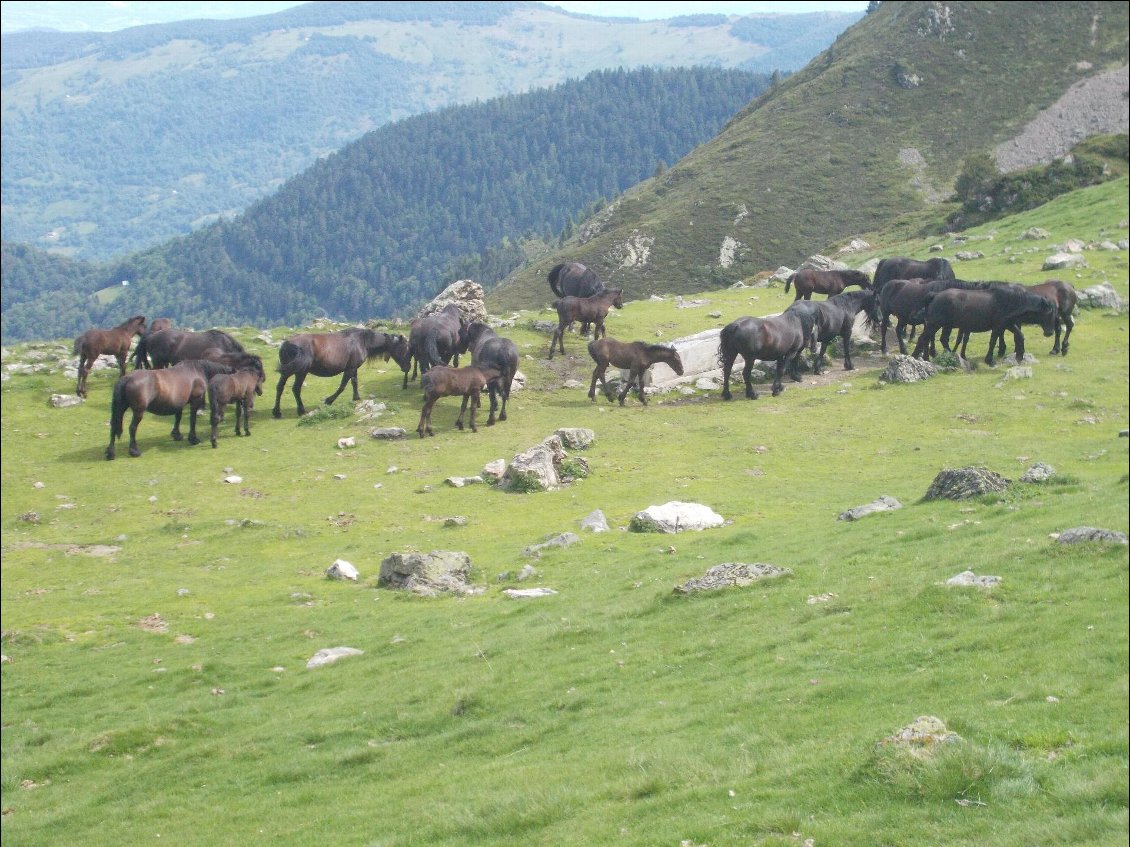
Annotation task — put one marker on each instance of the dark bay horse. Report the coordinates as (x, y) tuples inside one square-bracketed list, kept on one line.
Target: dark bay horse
[(903, 267), (835, 317), (634, 356), (906, 299), (572, 279), (113, 342), (163, 392), (330, 354), (436, 340), (994, 309), (141, 351), (442, 381), (238, 387), (1065, 297), (490, 351), (169, 346), (593, 309), (780, 338), (809, 281)]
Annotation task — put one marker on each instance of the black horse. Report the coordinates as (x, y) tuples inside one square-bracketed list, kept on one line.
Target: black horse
[(903, 267), (994, 309), (810, 280), (572, 279), (169, 346), (490, 351), (835, 317), (141, 352), (333, 353), (781, 338), (436, 340)]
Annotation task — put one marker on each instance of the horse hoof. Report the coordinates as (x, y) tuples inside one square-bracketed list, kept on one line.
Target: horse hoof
[(194, 441), (276, 414), (109, 455), (213, 444), (134, 452)]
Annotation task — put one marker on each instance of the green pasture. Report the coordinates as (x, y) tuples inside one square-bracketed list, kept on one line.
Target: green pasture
[(615, 711)]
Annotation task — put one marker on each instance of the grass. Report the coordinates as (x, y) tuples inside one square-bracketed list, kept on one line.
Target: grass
[(614, 712)]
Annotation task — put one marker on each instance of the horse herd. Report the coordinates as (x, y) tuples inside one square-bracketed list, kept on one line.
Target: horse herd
[(175, 369)]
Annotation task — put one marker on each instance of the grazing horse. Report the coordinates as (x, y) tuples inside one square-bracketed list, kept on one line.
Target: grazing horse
[(572, 279), (170, 346), (442, 381), (114, 342), (781, 337), (330, 354), (993, 309), (141, 351), (239, 387), (634, 356), (491, 351), (835, 317), (903, 267), (906, 299), (436, 340), (808, 280), (1063, 295), (594, 309), (163, 392)]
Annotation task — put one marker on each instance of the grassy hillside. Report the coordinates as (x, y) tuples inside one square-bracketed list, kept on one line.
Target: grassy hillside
[(117, 141), (613, 712), (872, 149)]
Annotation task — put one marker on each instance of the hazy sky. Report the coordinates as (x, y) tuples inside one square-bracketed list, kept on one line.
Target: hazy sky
[(108, 15)]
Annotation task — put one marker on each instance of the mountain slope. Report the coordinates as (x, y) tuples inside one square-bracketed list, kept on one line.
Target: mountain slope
[(117, 141), (875, 127)]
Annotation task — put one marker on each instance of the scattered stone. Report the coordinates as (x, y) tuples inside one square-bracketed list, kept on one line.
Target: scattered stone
[(346, 443), (329, 655), (1079, 534), (342, 569), (822, 263), (573, 383), (963, 483), (565, 539), (494, 470), (883, 504), (816, 599), (594, 521), (64, 401), (428, 574), (536, 469), (706, 383), (38, 484), (460, 481), (1035, 234), (1063, 261), (368, 410), (466, 294), (575, 438), (970, 578), (968, 255), (1018, 372), (387, 433), (856, 245), (454, 521), (907, 369), (675, 516), (30, 517), (340, 476), (525, 593), (1039, 472), (183, 592), (527, 572), (230, 480), (731, 574), (1101, 296), (922, 737)]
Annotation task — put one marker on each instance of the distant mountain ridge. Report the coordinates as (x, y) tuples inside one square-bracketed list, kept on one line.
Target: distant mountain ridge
[(117, 141)]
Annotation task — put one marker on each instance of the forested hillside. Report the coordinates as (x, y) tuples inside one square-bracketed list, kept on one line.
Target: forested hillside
[(114, 142), (388, 221)]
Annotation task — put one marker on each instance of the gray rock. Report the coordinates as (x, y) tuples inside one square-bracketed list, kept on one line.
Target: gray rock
[(576, 438), (466, 294), (963, 483), (908, 369), (1101, 296), (342, 569), (1039, 472), (1080, 534), (387, 433), (922, 737), (1063, 261), (968, 255), (461, 481), (675, 516), (822, 263), (535, 469), (1034, 233), (594, 521), (494, 470), (731, 574), (455, 521), (428, 574), (565, 539), (526, 593), (65, 401), (971, 579), (329, 655), (883, 504)]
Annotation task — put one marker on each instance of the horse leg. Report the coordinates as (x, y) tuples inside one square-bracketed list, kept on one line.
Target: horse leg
[(194, 408), (462, 410), (137, 415), (494, 392), (1018, 338), (476, 400), (846, 339), (425, 425), (121, 357), (277, 411), (248, 407), (747, 378), (639, 384), (296, 390), (727, 367), (345, 377), (1069, 322), (83, 370), (217, 419), (557, 333), (598, 373), (778, 383)]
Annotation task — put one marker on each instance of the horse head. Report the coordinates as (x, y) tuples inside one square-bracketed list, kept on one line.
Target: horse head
[(1048, 313), (618, 298), (400, 352)]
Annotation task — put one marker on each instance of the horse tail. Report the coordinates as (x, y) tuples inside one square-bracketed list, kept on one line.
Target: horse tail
[(554, 274), (141, 354), (118, 406), (294, 358), (431, 351), (789, 282)]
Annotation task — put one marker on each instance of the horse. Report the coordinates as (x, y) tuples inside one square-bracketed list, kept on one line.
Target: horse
[(836, 317), (1065, 298), (808, 280), (572, 279), (781, 337), (114, 342), (442, 381), (906, 299), (436, 340), (491, 351), (239, 387), (169, 346), (634, 356), (993, 309), (163, 392), (594, 309), (903, 267), (330, 354), (141, 351)]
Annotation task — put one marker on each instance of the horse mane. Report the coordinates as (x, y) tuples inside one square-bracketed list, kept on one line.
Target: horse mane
[(206, 367)]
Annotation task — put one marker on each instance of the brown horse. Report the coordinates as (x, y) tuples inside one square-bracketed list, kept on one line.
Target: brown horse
[(572, 279), (163, 392), (141, 351), (442, 381), (994, 309), (113, 342), (781, 337), (490, 350), (592, 309), (239, 387), (635, 357), (436, 340), (903, 267), (835, 317), (169, 346), (808, 281)]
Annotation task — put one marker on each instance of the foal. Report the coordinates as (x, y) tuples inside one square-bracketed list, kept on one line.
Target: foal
[(635, 356), (94, 342), (594, 309), (442, 381), (240, 388)]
